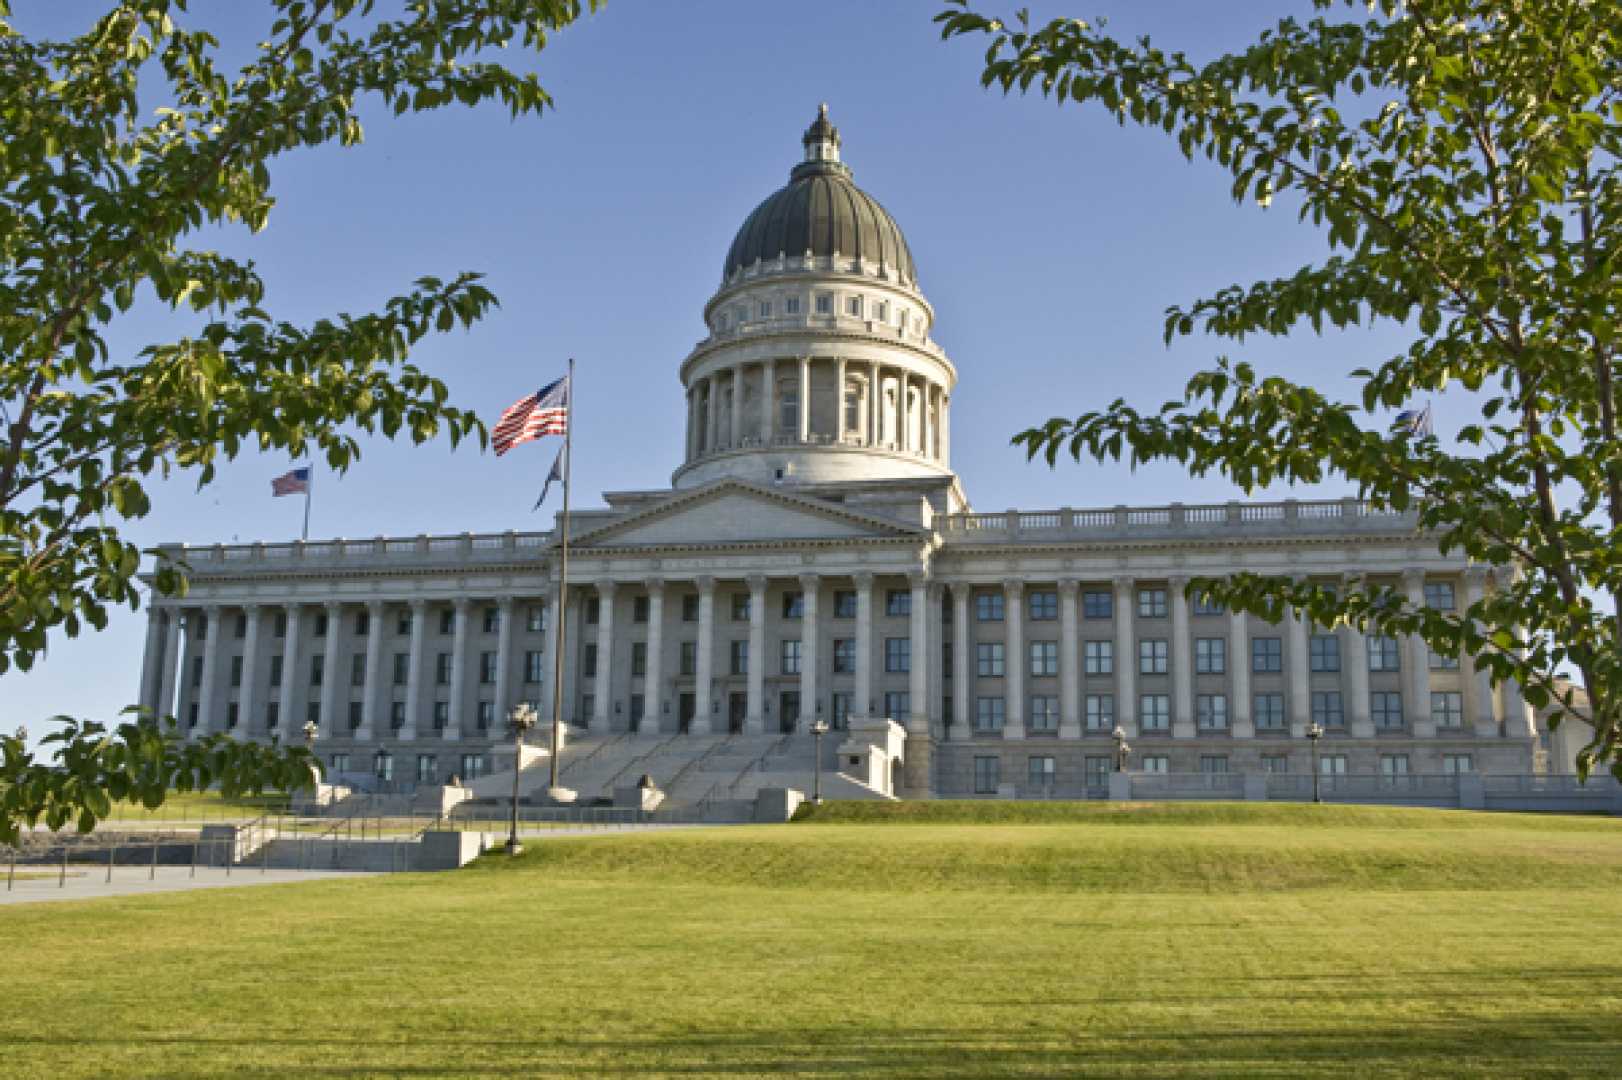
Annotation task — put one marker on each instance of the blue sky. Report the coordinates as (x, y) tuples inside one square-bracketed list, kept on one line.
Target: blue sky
[(1049, 240)]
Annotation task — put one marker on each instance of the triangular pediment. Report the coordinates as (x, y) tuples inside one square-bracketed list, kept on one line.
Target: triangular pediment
[(735, 512)]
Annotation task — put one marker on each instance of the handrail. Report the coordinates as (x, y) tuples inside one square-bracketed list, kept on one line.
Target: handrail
[(612, 740), (681, 774), (608, 788)]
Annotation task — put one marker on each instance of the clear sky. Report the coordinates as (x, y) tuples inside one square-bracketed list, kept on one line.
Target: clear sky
[(1049, 240)]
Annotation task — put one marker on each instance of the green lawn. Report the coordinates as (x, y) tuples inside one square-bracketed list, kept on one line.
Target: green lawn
[(1267, 941)]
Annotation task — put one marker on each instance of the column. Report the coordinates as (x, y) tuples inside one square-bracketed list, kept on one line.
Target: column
[(737, 406), (1015, 662), (1182, 661), (247, 700), (549, 605), (1126, 658), (454, 728), (810, 655), (926, 427), (151, 659), (1298, 706), (937, 672), (374, 672), (652, 682), (416, 660), (292, 721), (875, 393), (692, 423), (1417, 686), (1480, 704), (171, 664), (1239, 675), (962, 663), (1354, 647), (754, 722), (946, 429), (207, 722), (805, 399), (503, 702), (768, 402), (706, 657), (839, 402), (332, 726), (603, 689), (903, 433), (711, 387), (864, 705), (1069, 661), (918, 685)]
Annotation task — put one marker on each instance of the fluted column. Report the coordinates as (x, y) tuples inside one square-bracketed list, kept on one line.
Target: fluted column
[(504, 658), (1354, 647), (737, 407), (805, 399), (1299, 703), (331, 678), (926, 427), (839, 402), (152, 659), (416, 660), (1182, 662), (864, 704), (247, 698), (288, 695), (167, 674), (711, 388), (1126, 658), (1480, 695), (1417, 685), (603, 689), (754, 722), (810, 632), (1069, 661), (903, 429), (1238, 661), (706, 657), (918, 685), (208, 722), (692, 423), (1016, 662), (653, 681), (374, 672), (875, 393), (962, 659), (768, 402), (454, 726), (946, 429)]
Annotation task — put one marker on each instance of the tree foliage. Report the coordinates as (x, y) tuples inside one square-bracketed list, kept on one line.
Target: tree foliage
[(1460, 157)]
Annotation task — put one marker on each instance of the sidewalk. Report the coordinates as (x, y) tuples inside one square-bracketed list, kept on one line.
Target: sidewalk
[(35, 884)]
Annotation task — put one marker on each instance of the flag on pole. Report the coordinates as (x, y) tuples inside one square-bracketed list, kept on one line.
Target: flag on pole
[(1417, 421), (555, 474), (292, 482), (545, 412)]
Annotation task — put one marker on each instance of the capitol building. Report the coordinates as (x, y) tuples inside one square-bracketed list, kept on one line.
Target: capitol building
[(816, 559)]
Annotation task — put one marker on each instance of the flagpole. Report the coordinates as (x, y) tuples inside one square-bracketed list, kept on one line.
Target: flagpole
[(559, 616), (309, 487)]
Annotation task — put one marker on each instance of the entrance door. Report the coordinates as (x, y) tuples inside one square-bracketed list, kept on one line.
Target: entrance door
[(737, 709), (789, 710), (686, 709)]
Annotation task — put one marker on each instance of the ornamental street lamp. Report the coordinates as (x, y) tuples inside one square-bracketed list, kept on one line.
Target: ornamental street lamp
[(1314, 733), (311, 729), (1122, 750), (521, 719), (819, 728)]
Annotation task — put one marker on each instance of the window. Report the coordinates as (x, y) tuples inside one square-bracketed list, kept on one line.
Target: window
[(898, 602), (535, 617), (1393, 764), (853, 306), (1332, 765), (588, 707), (1327, 710), (1439, 595), (1384, 654), (1266, 654), (402, 668), (897, 704), (231, 715), (1213, 764), (442, 669), (1151, 603), (383, 765), (1152, 656), (988, 607), (312, 712), (472, 766), (317, 667), (354, 715), (533, 661), (1040, 771), (241, 629), (588, 660), (191, 715), (281, 624), (276, 670), (1097, 771), (492, 617), (340, 763), (1044, 658), (791, 657), (639, 659), (897, 655), (197, 671), (1387, 709), (988, 659), (236, 671), (1098, 657), (1447, 708), (485, 715), (985, 776), (200, 624), (1097, 605), (1100, 712), (844, 656), (397, 715), (1454, 764), (447, 621), (1044, 713), (1275, 763), (1438, 662), (363, 624), (825, 304), (427, 768), (844, 604), (881, 311), (1205, 605), (765, 309), (946, 659), (1044, 604), (1211, 712), (740, 607), (321, 625), (1149, 763), (841, 710), (487, 665), (357, 670), (442, 715), (639, 609), (794, 605), (738, 656), (402, 622), (1210, 655), (791, 305), (988, 714), (594, 612), (689, 658), (1268, 710), (1324, 652), (1154, 712), (639, 709)]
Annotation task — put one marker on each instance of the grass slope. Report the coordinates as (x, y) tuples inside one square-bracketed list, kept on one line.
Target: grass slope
[(1180, 941)]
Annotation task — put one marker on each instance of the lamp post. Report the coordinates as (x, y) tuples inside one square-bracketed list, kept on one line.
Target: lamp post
[(819, 728), (521, 719), (1314, 733), (1121, 748)]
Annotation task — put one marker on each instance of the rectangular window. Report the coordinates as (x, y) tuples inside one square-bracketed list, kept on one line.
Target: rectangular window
[(442, 715), (1040, 771), (492, 617), (535, 618), (639, 709), (402, 622), (402, 668), (825, 304), (241, 627), (1454, 764), (1152, 656), (897, 655), (1213, 764), (427, 768), (985, 776), (639, 609), (1044, 658), (472, 766), (1266, 654), (1151, 603), (1438, 662), (1154, 712), (853, 306), (1327, 710), (1324, 652), (988, 714), (317, 669), (397, 715), (844, 656), (594, 612), (1439, 595), (442, 669), (588, 660), (1044, 605), (321, 625), (236, 671), (738, 657), (689, 658), (355, 715), (231, 716), (689, 609), (1097, 605), (988, 607), (988, 659), (898, 602), (533, 662), (1205, 605), (1044, 714), (841, 710), (1097, 771), (1393, 764), (281, 624), (312, 712), (740, 607), (844, 604), (1100, 712), (357, 670), (363, 624), (1384, 655), (1332, 765), (1386, 708), (639, 659), (487, 667), (765, 309), (1211, 712), (1447, 708), (340, 763), (897, 704), (794, 605), (447, 621), (791, 305), (1268, 711), (197, 671), (1210, 655), (1098, 657), (791, 657), (485, 715), (588, 707), (1275, 763), (1158, 764), (191, 715)]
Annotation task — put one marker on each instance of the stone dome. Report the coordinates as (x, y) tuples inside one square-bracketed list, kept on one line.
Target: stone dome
[(823, 212)]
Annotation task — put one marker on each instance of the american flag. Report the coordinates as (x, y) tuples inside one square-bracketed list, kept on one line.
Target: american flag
[(292, 482), (545, 412)]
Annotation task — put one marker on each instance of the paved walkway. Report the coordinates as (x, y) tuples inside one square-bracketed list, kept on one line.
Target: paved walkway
[(87, 882)]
